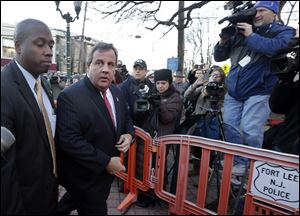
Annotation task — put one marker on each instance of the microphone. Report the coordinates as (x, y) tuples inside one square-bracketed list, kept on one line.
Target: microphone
[(141, 86), (7, 139), (143, 89)]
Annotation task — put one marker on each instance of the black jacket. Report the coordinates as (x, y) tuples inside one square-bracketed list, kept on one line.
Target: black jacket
[(28, 185), (285, 100)]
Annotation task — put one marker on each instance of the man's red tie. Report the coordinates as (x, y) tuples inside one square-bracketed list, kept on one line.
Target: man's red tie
[(109, 108)]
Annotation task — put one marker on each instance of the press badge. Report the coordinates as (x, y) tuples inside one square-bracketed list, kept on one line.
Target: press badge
[(244, 61)]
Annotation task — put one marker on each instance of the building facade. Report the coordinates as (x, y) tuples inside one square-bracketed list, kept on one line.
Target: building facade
[(80, 47)]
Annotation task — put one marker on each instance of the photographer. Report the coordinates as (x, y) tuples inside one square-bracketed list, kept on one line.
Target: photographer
[(250, 79), (190, 100), (191, 75), (167, 110), (197, 91), (284, 99), (284, 137), (135, 88)]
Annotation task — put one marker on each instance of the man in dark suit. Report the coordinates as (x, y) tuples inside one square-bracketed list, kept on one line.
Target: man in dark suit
[(28, 174), (93, 126)]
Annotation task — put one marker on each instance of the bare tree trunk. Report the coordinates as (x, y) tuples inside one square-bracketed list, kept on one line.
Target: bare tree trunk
[(200, 38), (208, 51), (181, 37)]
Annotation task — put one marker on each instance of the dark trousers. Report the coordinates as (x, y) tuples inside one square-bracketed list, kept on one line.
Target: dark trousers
[(66, 205)]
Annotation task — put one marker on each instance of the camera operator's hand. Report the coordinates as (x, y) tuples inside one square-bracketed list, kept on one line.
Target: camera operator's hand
[(287, 77), (155, 102), (245, 28), (200, 80)]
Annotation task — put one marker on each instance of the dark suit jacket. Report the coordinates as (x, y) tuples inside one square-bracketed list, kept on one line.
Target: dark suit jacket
[(28, 185), (86, 139)]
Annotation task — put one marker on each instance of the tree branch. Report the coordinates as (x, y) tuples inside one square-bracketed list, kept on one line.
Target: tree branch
[(171, 22), (122, 10)]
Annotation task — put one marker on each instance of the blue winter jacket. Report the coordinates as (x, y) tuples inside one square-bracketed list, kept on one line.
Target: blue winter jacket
[(256, 77)]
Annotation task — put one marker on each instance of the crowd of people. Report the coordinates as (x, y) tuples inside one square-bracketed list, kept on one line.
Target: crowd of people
[(72, 133)]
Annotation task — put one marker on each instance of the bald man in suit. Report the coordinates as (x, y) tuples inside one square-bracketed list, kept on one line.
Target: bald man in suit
[(28, 174)]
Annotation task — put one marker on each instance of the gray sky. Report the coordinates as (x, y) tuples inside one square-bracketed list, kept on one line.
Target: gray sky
[(151, 46)]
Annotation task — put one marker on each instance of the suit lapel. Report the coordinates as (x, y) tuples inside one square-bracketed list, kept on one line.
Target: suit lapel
[(47, 89), (25, 90)]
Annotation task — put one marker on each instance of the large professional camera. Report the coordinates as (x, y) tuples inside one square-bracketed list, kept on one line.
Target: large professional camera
[(242, 12), (286, 64), (145, 100), (215, 92)]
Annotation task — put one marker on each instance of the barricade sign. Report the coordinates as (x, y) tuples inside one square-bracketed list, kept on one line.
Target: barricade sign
[(276, 183)]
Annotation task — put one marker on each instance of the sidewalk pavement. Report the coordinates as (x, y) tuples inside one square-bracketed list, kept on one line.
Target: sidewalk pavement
[(116, 197), (212, 194)]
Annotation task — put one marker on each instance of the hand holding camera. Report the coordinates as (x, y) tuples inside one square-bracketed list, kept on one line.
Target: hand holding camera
[(244, 28), (200, 80), (243, 13)]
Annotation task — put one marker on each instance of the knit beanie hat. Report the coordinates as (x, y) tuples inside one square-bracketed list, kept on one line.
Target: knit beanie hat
[(163, 74), (271, 5)]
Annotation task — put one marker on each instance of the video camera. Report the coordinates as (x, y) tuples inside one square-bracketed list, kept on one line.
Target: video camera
[(145, 100), (215, 92), (286, 64), (242, 12)]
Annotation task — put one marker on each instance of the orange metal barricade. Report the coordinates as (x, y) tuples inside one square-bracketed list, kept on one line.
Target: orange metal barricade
[(179, 204), (131, 184)]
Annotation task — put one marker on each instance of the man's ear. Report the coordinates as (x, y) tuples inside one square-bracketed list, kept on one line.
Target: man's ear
[(18, 47)]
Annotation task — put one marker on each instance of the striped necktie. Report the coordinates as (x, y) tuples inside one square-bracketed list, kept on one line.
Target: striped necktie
[(109, 108)]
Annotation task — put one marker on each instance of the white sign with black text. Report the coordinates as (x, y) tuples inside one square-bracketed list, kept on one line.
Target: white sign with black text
[(276, 183)]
